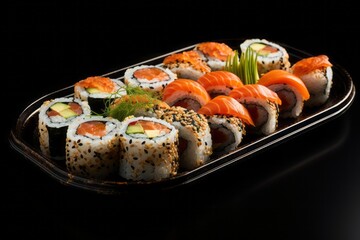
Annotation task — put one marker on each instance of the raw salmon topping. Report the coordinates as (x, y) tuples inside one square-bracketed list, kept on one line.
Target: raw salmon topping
[(213, 80), (310, 64), (96, 128), (185, 88), (226, 105), (278, 76), (255, 90), (103, 84), (151, 73)]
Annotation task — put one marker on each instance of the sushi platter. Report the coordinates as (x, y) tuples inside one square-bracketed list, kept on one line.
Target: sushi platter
[(24, 136)]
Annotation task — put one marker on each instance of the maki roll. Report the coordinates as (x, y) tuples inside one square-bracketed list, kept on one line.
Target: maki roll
[(150, 78), (262, 104), (55, 115), (188, 64), (185, 93), (290, 89), (214, 54), (227, 120), (93, 146), (269, 55), (99, 92), (149, 149), (226, 131), (195, 143), (317, 74)]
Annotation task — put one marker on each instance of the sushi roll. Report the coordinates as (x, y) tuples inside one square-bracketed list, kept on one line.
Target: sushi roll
[(214, 54), (195, 143), (227, 132), (148, 77), (317, 74), (262, 104), (219, 82), (270, 55), (149, 149), (188, 64), (93, 147), (99, 92), (55, 115), (186, 93), (227, 119), (290, 89)]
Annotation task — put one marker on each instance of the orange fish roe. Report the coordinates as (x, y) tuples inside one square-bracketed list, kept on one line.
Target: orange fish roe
[(104, 84), (214, 49), (310, 64), (191, 57)]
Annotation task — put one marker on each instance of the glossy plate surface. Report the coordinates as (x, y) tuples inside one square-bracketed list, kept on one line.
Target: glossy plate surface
[(23, 137)]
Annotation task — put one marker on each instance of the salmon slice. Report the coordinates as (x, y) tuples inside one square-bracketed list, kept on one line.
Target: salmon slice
[(256, 91), (151, 73), (148, 125), (279, 76), (96, 128), (103, 84), (226, 105), (307, 65), (224, 81), (179, 91)]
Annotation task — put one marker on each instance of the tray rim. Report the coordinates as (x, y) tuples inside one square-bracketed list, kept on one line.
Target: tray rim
[(116, 187)]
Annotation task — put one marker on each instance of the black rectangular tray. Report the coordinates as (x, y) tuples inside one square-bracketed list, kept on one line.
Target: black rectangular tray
[(23, 137)]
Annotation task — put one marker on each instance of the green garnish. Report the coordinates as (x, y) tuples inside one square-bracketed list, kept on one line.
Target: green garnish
[(245, 67), (135, 100)]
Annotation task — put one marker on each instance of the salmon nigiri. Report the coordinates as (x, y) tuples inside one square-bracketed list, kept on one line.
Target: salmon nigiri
[(316, 73), (290, 88), (227, 118), (219, 82), (262, 104), (186, 93)]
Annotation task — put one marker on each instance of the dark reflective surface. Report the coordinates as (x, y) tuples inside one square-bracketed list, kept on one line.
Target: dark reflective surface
[(305, 188)]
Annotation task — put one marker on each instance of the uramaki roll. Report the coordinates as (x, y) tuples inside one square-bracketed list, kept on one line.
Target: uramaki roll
[(92, 147), (149, 149)]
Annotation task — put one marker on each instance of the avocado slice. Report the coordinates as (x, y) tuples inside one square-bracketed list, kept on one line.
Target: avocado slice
[(67, 113), (135, 128), (59, 106), (257, 46), (93, 90)]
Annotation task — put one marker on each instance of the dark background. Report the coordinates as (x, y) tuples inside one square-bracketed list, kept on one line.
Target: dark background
[(306, 188)]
